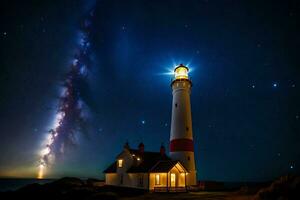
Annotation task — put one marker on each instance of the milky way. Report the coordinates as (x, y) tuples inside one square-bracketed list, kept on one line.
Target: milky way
[(71, 115)]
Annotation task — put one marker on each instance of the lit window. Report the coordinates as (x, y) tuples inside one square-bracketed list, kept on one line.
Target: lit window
[(157, 179), (120, 163), (173, 179)]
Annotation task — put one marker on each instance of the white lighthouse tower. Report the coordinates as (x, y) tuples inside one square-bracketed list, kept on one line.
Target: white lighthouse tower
[(181, 136)]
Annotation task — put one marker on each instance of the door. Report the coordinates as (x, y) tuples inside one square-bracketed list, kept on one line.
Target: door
[(173, 180)]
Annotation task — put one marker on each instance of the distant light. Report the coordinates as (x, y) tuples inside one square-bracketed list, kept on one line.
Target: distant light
[(253, 86), (41, 171), (143, 122), (5, 33), (275, 85), (292, 167), (138, 158)]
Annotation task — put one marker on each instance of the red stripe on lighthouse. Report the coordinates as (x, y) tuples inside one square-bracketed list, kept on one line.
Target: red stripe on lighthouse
[(181, 145)]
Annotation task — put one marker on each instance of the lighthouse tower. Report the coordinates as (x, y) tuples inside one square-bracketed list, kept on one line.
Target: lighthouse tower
[(181, 136)]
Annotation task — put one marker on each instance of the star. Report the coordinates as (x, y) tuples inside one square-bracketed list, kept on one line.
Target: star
[(166, 124), (275, 85), (292, 167), (5, 33), (253, 86), (293, 85), (297, 116), (278, 154), (143, 122)]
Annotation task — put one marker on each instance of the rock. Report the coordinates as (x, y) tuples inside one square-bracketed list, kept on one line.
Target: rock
[(103, 196), (95, 182), (69, 181), (286, 187)]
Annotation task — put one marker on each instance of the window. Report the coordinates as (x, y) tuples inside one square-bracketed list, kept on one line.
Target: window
[(157, 179), (187, 128), (188, 158), (121, 179), (120, 163), (141, 181), (173, 180), (176, 105)]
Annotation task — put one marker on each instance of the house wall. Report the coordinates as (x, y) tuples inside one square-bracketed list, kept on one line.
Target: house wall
[(129, 180), (134, 180), (111, 179), (163, 180), (127, 161)]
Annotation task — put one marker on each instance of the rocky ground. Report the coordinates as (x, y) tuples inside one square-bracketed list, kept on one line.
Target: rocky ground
[(193, 195), (287, 187)]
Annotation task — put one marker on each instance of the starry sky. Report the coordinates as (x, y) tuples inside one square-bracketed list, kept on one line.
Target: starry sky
[(244, 61)]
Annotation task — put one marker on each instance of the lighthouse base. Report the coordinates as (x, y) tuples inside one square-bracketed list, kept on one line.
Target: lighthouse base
[(191, 178)]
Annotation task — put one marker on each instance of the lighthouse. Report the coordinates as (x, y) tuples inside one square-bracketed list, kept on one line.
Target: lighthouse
[(181, 136)]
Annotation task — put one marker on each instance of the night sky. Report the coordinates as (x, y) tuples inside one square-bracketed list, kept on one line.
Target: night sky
[(244, 61)]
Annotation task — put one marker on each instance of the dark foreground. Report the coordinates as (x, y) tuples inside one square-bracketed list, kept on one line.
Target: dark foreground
[(287, 187)]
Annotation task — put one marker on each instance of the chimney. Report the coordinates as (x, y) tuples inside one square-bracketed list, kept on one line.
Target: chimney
[(141, 147), (162, 150), (126, 145)]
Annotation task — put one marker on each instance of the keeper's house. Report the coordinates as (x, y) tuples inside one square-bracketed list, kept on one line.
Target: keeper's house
[(146, 170)]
